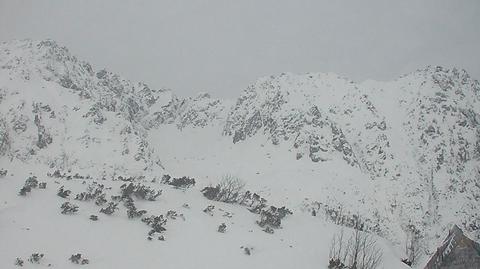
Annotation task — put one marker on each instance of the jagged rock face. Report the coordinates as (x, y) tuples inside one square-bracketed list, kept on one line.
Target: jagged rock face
[(320, 115), (418, 136), (4, 137), (46, 59), (101, 107), (443, 120), (56, 110), (199, 111), (441, 110)]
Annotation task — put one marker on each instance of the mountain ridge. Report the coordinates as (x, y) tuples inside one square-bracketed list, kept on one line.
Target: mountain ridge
[(415, 139)]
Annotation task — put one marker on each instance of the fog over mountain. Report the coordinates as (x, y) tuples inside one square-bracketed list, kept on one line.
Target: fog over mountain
[(221, 46)]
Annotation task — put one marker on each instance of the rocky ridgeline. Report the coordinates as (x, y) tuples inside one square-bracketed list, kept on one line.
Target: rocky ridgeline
[(28, 59), (443, 130), (320, 116), (423, 157), (53, 105), (199, 111)]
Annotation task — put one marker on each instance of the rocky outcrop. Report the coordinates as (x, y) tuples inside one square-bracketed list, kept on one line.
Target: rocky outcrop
[(417, 137), (320, 115), (199, 111), (62, 113)]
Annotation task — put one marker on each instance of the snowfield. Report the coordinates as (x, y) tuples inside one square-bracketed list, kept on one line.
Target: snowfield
[(399, 159), (34, 224)]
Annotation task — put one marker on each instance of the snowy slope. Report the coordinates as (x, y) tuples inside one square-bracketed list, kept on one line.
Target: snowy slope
[(397, 156), (56, 111), (434, 116), (403, 155), (34, 224), (417, 138)]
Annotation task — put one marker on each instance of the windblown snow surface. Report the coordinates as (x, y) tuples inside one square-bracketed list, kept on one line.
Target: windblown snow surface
[(394, 155)]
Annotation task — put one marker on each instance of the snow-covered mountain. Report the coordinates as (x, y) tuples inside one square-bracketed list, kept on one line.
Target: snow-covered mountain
[(417, 138), (401, 158), (57, 111)]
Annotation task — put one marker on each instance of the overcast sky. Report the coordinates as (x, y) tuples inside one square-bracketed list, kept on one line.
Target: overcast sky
[(222, 46)]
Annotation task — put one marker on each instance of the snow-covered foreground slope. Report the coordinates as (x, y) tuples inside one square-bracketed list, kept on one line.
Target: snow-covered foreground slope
[(399, 158), (34, 224)]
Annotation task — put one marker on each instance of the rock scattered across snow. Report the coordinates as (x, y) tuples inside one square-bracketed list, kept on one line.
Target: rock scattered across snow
[(393, 155)]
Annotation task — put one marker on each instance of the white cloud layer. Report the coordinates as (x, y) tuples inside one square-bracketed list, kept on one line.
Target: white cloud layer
[(222, 46)]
